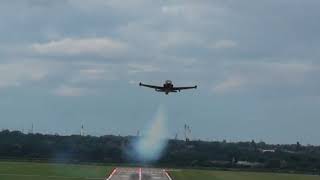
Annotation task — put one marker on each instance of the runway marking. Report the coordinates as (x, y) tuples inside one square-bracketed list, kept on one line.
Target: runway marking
[(113, 172), (167, 174), (140, 173)]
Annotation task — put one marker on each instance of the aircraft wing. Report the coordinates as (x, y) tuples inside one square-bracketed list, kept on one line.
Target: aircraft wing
[(150, 86), (182, 88)]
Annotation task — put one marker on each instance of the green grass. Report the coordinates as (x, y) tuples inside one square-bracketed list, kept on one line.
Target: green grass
[(43, 171), (233, 175)]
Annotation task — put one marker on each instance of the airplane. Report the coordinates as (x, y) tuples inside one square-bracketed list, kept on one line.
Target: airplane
[(167, 87)]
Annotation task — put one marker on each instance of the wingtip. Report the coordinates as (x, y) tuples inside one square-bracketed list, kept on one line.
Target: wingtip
[(140, 83), (196, 86)]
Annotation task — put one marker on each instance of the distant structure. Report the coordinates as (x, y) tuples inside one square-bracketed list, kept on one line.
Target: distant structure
[(267, 150), (138, 133), (31, 131), (82, 130), (187, 132)]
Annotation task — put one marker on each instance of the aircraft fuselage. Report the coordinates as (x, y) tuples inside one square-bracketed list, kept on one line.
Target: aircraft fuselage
[(167, 87)]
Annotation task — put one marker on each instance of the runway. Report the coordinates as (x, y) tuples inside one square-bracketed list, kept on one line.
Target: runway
[(138, 174)]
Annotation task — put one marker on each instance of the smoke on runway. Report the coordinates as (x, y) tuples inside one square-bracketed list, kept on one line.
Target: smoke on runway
[(150, 145)]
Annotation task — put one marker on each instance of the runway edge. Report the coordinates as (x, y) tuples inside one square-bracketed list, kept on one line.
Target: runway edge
[(167, 174), (109, 176)]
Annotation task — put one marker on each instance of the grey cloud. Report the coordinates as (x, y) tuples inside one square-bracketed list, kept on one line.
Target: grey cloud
[(242, 49), (277, 79), (105, 47), (181, 29)]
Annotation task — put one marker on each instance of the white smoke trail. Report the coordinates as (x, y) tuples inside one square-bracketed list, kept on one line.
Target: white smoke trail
[(151, 145)]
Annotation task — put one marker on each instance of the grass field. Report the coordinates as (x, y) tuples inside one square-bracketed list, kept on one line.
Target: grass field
[(232, 175), (43, 171)]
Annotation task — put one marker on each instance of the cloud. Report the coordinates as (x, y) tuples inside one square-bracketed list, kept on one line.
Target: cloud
[(238, 48), (229, 84), (172, 10), (193, 11), (17, 73), (133, 82), (276, 72), (92, 46), (45, 3), (264, 75), (138, 68), (70, 91), (179, 39), (223, 44), (92, 74)]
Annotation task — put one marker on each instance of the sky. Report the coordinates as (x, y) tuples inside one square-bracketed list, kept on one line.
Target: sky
[(65, 63)]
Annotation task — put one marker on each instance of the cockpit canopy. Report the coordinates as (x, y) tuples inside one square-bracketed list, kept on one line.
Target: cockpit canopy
[(168, 82)]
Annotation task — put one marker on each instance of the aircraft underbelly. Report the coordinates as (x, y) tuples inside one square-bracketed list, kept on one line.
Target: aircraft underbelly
[(166, 90)]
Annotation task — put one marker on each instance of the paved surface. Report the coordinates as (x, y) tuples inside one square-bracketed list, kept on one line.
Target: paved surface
[(138, 174)]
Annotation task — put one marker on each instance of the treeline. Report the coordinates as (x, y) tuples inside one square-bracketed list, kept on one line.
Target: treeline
[(115, 149)]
